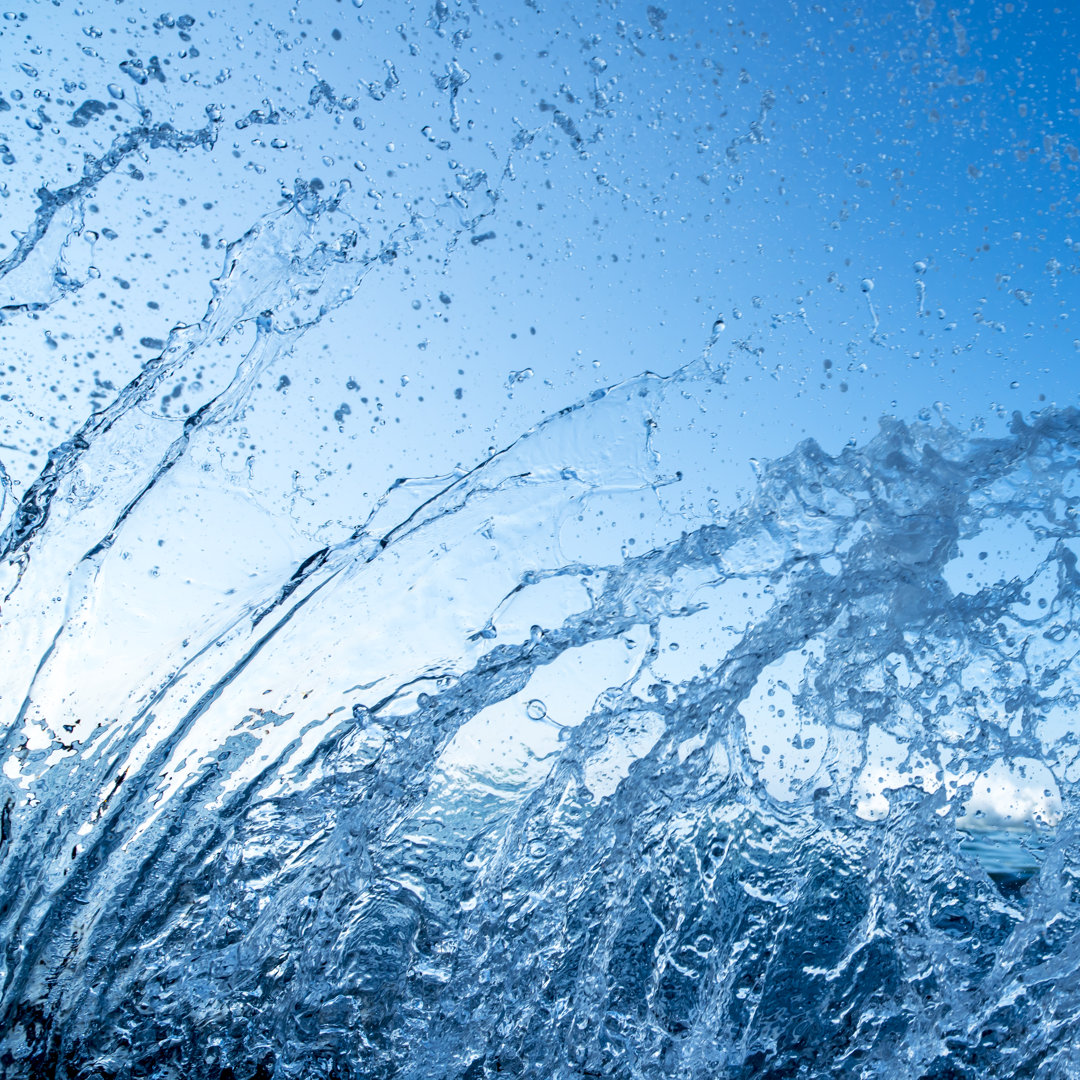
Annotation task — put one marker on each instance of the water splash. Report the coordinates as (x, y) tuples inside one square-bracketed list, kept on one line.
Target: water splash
[(547, 767), (51, 276), (332, 834)]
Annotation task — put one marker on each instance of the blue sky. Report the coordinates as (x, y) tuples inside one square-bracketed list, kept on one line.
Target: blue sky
[(761, 165)]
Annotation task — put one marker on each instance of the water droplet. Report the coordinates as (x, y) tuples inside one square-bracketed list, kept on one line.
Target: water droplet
[(536, 709), (597, 65), (867, 285)]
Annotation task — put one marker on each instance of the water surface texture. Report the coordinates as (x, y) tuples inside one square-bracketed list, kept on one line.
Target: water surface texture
[(539, 541)]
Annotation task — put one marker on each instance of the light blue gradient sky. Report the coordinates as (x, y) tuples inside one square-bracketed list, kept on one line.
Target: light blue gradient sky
[(749, 162)]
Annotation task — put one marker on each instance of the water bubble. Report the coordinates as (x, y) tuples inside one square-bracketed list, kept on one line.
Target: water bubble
[(920, 267), (536, 709), (597, 65), (867, 285)]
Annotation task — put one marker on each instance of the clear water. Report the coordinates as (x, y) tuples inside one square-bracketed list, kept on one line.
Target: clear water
[(655, 725)]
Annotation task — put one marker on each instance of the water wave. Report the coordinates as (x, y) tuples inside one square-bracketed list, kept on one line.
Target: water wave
[(789, 792)]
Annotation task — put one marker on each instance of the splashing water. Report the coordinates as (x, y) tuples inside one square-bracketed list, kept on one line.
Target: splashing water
[(552, 766), (791, 793)]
